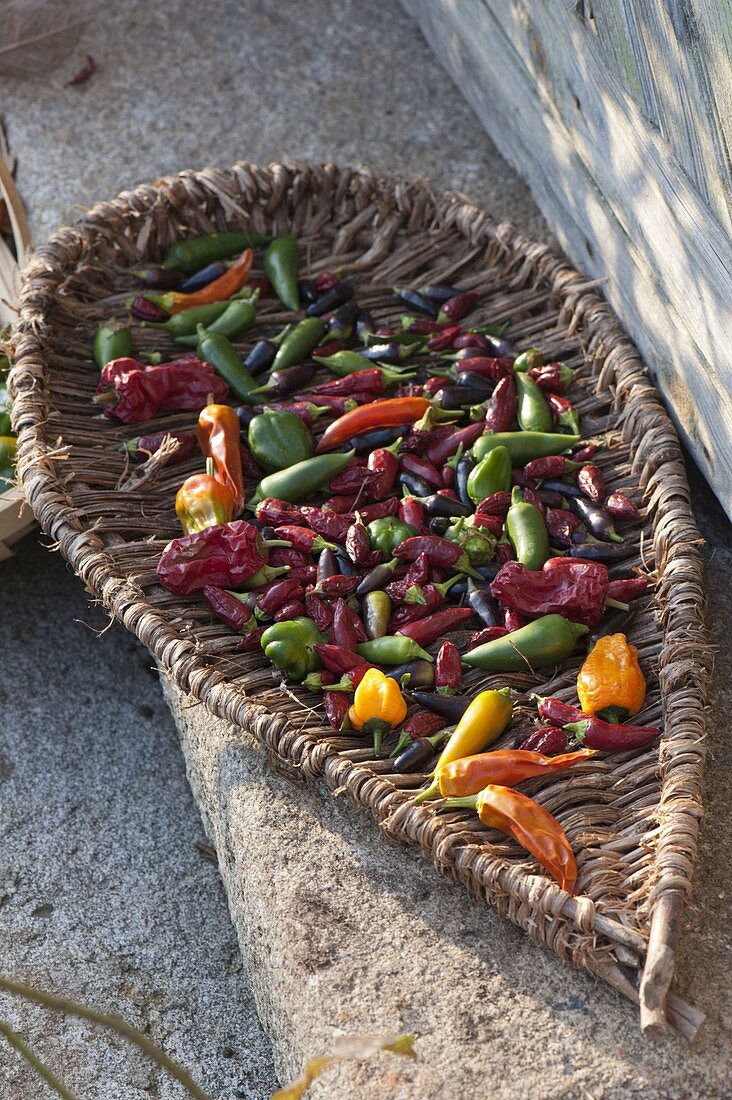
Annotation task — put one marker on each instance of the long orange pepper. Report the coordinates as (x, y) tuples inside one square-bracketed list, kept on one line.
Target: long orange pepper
[(380, 414), (217, 291), (219, 439), (528, 823), (505, 766)]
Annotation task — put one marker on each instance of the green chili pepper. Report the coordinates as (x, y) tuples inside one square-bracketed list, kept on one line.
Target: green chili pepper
[(113, 340), (477, 542), (186, 322), (392, 649), (533, 413), (278, 439), (238, 316), (280, 265), (524, 446), (546, 641), (223, 357), (376, 610), (6, 426), (528, 359), (300, 481), (289, 646), (299, 342), (491, 475), (264, 575), (527, 531), (386, 534), (197, 252)]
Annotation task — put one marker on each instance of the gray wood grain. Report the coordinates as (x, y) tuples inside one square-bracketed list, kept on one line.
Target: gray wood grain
[(569, 98)]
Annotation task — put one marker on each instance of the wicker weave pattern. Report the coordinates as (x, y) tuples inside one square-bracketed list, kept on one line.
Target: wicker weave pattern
[(633, 820)]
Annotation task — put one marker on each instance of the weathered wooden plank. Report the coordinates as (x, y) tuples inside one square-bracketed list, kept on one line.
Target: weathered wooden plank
[(613, 193)]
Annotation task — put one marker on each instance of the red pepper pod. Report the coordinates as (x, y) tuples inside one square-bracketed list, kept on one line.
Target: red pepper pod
[(501, 411), (621, 507), (445, 447), (302, 538), (414, 464), (592, 483), (229, 609), (283, 555), (627, 589), (470, 340), (333, 587), (341, 503), (596, 734), (497, 504), (274, 512), (331, 525), (338, 660), (552, 377), (439, 551), (494, 524), (442, 340), (370, 380), (454, 309), (548, 740), (425, 631), (223, 556), (561, 525), (411, 511), (558, 713), (358, 546), (250, 643), (354, 479), (342, 632), (379, 510), (336, 706), (488, 634), (558, 588), (448, 668), (584, 454), (293, 610), (531, 498), (321, 613), (278, 593), (552, 467), (383, 466), (493, 369), (512, 620)]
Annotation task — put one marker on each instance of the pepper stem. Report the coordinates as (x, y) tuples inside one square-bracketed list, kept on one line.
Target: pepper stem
[(610, 602), (578, 729), (433, 791), (378, 727), (468, 802)]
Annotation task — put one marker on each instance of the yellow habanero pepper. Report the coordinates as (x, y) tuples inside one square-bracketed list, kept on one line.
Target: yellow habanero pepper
[(610, 682), (378, 706), (483, 723)]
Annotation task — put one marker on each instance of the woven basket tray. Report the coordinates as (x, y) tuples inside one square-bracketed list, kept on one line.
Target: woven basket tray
[(632, 819)]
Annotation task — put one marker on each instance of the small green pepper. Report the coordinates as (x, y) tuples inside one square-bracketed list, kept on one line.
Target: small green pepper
[(238, 316), (278, 439), (221, 354), (263, 576), (197, 252), (533, 412), (491, 475), (280, 265), (290, 647), (477, 542), (113, 340), (527, 532), (546, 641), (298, 342), (187, 322), (300, 481), (527, 360), (387, 533), (525, 446), (392, 649)]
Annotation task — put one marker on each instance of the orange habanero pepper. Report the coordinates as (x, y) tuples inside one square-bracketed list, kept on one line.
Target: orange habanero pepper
[(202, 502)]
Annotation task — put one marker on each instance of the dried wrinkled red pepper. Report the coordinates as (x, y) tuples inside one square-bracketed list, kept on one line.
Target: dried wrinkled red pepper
[(358, 546), (448, 669), (383, 465), (592, 483), (442, 340), (295, 609), (320, 612), (559, 713), (493, 369), (559, 588), (439, 551), (331, 525), (454, 309), (342, 630), (627, 589), (411, 511), (222, 557), (561, 525), (428, 630), (231, 609), (548, 740), (501, 410), (552, 467), (497, 504), (621, 507), (488, 634), (332, 587), (336, 707), (278, 593), (274, 512), (132, 391), (337, 659)]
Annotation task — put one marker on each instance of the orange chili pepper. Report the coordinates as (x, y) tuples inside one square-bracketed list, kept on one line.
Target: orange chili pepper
[(505, 766), (380, 414), (219, 439), (217, 291), (202, 502), (529, 824)]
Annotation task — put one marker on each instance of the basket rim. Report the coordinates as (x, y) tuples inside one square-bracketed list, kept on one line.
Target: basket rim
[(676, 537)]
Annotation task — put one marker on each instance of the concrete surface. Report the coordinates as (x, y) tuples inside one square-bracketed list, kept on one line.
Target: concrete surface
[(96, 818)]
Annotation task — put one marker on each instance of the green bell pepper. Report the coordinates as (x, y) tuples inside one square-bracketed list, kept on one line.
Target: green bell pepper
[(491, 475), (527, 532), (278, 439), (290, 647), (300, 481), (112, 341), (546, 641), (387, 533), (524, 446)]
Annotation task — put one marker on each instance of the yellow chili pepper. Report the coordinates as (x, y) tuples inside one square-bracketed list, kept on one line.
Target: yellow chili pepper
[(378, 706), (610, 682), (201, 502), (483, 723)]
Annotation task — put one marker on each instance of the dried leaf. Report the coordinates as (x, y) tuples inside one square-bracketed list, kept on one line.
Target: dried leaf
[(356, 1048), (37, 35)]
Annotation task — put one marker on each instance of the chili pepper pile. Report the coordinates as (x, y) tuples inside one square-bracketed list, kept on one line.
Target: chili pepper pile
[(384, 506)]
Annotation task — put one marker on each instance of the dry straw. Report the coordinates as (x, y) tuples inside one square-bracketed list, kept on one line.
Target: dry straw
[(632, 819)]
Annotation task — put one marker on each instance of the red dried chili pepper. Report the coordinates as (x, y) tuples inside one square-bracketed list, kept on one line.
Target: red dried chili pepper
[(413, 464), (336, 403), (456, 308), (278, 593), (222, 557), (564, 412), (405, 614), (444, 339), (358, 546), (370, 380), (443, 448), (379, 510), (501, 411), (249, 467), (448, 669), (229, 608), (471, 340), (331, 587), (493, 369), (132, 391), (584, 454), (331, 525), (627, 589), (497, 504), (336, 707), (512, 620), (531, 498), (286, 556), (555, 466), (592, 483), (325, 280), (302, 538), (422, 724), (338, 660), (621, 507), (87, 69), (321, 613), (494, 524), (439, 551), (331, 348), (559, 588), (561, 525), (384, 467), (488, 634), (250, 643), (596, 734), (548, 740), (425, 434), (417, 574), (554, 710), (411, 511), (293, 610), (144, 310), (552, 377), (341, 503), (428, 630), (342, 633), (273, 512), (354, 479), (505, 552)]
